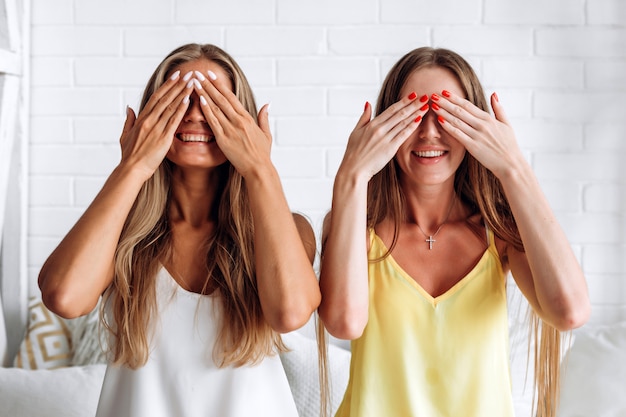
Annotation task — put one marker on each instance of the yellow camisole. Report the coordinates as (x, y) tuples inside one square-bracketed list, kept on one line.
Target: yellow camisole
[(421, 356)]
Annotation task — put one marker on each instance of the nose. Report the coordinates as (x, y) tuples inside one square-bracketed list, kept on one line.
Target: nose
[(194, 111), (430, 127)]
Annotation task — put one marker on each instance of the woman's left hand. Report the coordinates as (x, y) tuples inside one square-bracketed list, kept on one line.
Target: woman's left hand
[(245, 142), (490, 139)]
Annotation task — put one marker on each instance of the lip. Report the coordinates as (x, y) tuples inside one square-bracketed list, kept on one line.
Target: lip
[(429, 152), (195, 136)]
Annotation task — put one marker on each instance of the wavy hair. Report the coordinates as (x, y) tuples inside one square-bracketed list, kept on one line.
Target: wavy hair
[(478, 188), (145, 242)]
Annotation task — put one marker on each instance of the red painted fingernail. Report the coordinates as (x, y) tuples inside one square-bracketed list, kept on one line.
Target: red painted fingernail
[(367, 104), (495, 95), (441, 119), (412, 96), (435, 97), (435, 106), (445, 93), (424, 107), (424, 98), (417, 119)]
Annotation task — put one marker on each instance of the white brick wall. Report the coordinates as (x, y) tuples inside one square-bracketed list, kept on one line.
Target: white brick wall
[(558, 66)]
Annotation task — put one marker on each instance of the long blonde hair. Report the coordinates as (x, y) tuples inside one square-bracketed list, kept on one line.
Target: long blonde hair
[(478, 188), (244, 337)]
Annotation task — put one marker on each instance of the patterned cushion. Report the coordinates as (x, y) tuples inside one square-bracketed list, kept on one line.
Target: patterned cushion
[(47, 343)]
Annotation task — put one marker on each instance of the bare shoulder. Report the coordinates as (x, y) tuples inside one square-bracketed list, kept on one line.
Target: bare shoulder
[(477, 224)]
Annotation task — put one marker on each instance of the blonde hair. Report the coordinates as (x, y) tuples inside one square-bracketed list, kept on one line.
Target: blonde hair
[(478, 188), (244, 336)]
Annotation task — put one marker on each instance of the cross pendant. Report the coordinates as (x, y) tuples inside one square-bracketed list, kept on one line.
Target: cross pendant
[(430, 241)]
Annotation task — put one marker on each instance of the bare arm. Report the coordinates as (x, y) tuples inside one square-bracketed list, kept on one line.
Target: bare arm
[(547, 272), (284, 245), (344, 266), (81, 267)]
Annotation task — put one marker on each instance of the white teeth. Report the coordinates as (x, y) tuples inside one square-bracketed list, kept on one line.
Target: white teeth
[(429, 154), (193, 138)]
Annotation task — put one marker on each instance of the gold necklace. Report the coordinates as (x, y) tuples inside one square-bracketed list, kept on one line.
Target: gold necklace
[(431, 238)]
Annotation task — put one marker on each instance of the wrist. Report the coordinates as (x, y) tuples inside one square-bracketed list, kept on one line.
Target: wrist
[(131, 173), (352, 179)]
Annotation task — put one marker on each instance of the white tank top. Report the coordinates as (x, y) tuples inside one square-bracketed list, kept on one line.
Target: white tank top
[(180, 378)]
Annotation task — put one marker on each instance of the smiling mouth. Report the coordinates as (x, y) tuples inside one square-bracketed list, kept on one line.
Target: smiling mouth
[(429, 154), (188, 137)]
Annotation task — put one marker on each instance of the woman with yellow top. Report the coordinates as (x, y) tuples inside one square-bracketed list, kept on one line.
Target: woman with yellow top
[(433, 204)]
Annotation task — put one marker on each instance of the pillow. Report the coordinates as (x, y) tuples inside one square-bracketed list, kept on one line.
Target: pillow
[(67, 392), (301, 367), (47, 343), (89, 339), (594, 373)]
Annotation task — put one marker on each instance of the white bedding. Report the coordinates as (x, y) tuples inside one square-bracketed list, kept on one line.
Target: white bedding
[(593, 379)]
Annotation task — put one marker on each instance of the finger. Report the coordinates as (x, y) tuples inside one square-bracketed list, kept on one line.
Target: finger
[(498, 110), (398, 116), (263, 119), (404, 129), (173, 121), (211, 112), (458, 129), (169, 102), (401, 109), (366, 116), (173, 84), (220, 93), (130, 120)]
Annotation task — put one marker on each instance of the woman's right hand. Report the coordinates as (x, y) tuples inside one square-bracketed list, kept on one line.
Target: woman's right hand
[(146, 138), (374, 142)]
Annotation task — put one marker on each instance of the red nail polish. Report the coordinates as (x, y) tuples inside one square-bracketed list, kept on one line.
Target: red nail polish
[(412, 96), (495, 95), (445, 93), (424, 107), (440, 119), (367, 104), (435, 97), (417, 119), (424, 98), (435, 106)]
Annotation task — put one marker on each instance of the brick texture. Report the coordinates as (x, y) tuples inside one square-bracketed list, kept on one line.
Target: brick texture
[(558, 66)]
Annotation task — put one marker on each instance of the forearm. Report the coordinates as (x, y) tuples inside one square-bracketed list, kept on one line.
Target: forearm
[(288, 288), (560, 289), (344, 264), (81, 267)]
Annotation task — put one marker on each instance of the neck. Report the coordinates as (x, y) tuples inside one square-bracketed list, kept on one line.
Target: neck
[(193, 196), (430, 209)]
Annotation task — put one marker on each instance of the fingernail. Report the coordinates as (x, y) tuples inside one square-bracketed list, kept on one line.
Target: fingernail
[(435, 97), (412, 96), (175, 75), (190, 83), (211, 75), (186, 100), (268, 106), (367, 104), (495, 95), (425, 107), (188, 76), (199, 75), (203, 100), (445, 93), (197, 84), (440, 119), (435, 106), (424, 98), (417, 119)]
